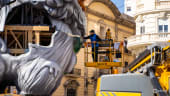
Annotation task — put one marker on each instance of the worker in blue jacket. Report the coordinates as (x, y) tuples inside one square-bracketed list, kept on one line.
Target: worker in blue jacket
[(94, 43)]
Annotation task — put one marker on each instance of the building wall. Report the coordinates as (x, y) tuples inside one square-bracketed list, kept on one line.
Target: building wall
[(94, 22), (145, 5), (124, 31), (130, 4), (149, 14)]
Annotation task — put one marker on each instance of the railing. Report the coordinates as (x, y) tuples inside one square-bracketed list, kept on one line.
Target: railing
[(148, 39), (74, 73), (109, 54)]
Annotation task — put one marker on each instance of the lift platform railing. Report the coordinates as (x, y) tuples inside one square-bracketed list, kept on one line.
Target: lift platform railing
[(106, 52), (149, 57)]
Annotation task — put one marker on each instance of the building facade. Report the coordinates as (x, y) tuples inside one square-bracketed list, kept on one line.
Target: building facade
[(101, 15), (152, 24)]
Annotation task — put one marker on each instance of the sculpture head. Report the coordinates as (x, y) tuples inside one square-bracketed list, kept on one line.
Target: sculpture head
[(68, 19), (66, 13)]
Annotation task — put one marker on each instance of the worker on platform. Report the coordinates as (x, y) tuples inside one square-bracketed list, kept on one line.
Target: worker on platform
[(94, 43), (108, 35), (109, 41)]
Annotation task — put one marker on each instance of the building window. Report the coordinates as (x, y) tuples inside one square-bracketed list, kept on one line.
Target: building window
[(71, 92), (71, 87), (163, 28), (163, 25), (142, 30), (102, 27), (160, 28), (128, 9), (102, 32)]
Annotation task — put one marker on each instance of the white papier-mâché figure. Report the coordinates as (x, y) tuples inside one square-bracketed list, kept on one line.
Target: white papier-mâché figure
[(40, 70)]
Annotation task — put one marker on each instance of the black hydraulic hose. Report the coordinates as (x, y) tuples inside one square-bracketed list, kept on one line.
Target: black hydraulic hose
[(156, 84)]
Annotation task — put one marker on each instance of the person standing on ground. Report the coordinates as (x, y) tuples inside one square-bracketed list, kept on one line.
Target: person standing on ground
[(94, 43)]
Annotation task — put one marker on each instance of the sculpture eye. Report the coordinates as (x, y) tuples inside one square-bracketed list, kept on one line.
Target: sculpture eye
[(81, 2)]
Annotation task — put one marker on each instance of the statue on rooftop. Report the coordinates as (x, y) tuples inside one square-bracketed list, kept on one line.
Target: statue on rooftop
[(39, 71)]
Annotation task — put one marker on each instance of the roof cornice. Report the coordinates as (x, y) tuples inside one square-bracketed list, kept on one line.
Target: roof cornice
[(118, 16)]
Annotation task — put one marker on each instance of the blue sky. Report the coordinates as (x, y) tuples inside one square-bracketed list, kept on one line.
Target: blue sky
[(119, 4)]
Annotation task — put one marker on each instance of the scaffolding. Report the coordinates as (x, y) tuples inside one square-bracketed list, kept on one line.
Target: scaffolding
[(17, 37)]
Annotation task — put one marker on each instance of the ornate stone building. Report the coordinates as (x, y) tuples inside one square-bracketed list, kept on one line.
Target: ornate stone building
[(152, 24), (101, 15)]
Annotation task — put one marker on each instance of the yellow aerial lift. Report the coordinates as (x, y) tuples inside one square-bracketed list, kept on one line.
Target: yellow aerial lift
[(107, 51), (147, 75), (107, 54)]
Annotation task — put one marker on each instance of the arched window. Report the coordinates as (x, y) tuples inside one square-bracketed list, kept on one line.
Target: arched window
[(71, 87)]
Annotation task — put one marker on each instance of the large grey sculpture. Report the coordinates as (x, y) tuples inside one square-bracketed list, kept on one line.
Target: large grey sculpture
[(39, 71)]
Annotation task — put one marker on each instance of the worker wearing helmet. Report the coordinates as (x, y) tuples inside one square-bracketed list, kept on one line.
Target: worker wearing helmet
[(94, 43)]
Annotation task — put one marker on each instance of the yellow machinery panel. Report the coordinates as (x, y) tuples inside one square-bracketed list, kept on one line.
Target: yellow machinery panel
[(163, 72), (103, 65), (118, 94)]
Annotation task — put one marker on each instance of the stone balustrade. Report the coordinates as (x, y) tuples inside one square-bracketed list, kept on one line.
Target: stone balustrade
[(147, 39)]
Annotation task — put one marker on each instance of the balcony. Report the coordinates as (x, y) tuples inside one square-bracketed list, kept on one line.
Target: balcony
[(147, 39), (74, 73)]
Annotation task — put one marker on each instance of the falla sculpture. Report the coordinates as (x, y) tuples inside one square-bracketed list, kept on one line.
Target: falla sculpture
[(39, 71)]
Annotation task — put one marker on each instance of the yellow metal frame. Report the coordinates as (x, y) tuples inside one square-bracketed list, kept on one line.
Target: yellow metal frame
[(118, 94), (108, 93), (163, 73), (146, 59), (142, 62), (102, 65)]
